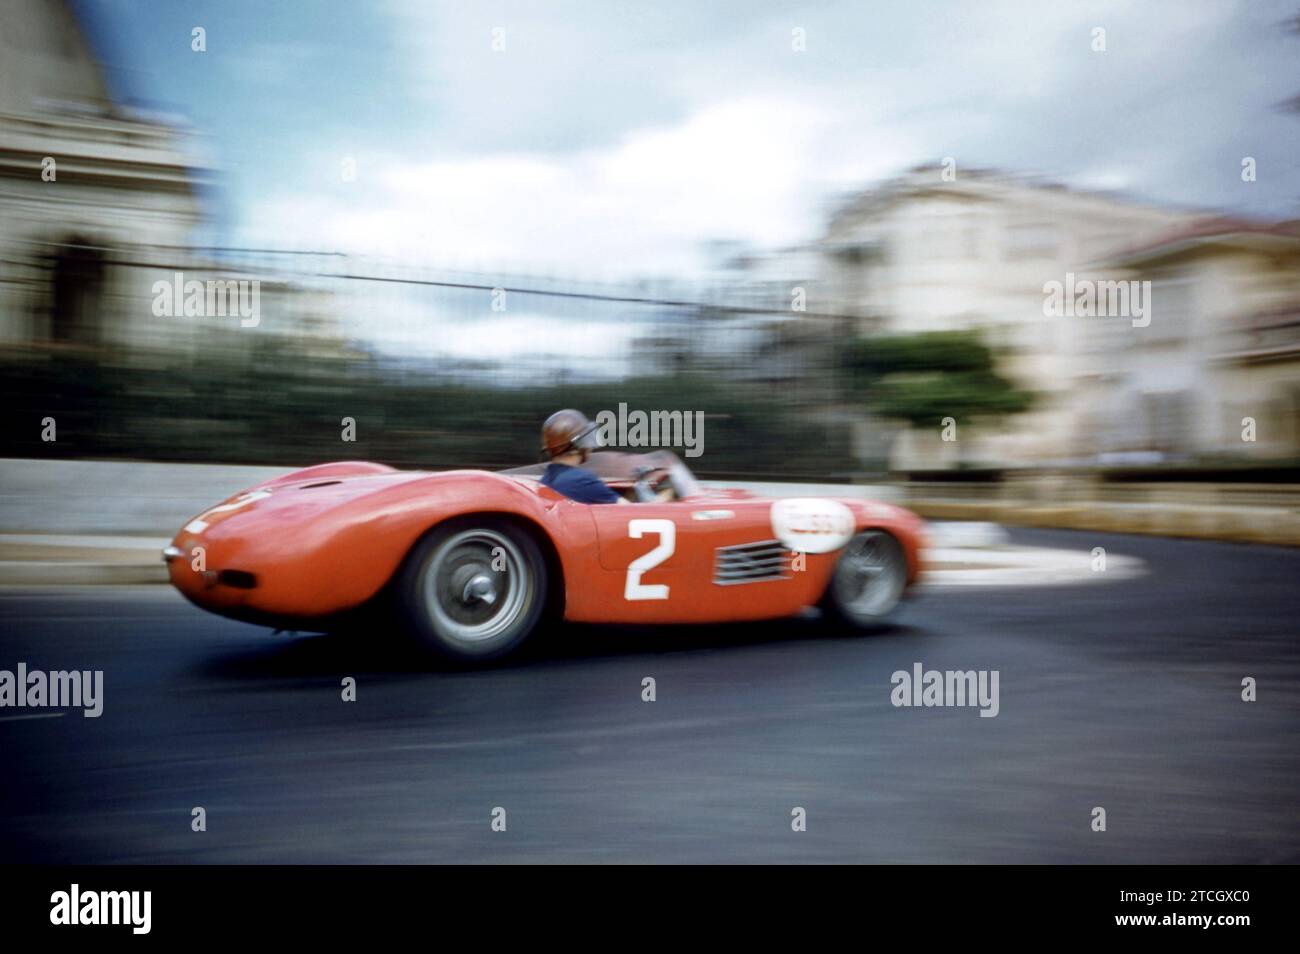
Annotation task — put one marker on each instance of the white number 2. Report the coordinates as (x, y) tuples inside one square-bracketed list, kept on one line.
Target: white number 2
[(666, 530)]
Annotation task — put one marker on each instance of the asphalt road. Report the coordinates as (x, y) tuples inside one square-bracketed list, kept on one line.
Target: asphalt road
[(1124, 695)]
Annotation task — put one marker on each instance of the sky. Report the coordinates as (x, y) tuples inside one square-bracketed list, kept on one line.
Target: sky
[(612, 139)]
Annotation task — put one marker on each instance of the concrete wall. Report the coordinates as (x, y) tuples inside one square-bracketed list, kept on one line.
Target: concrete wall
[(114, 497)]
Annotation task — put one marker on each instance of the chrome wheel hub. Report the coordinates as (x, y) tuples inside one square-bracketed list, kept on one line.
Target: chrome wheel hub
[(479, 588)]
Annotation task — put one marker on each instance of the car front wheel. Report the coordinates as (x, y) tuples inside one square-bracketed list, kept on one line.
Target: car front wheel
[(868, 581), (473, 590)]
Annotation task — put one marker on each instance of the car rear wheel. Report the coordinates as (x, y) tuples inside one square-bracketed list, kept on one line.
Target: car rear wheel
[(868, 581), (473, 590)]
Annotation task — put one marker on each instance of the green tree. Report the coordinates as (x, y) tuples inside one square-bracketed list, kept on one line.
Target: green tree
[(923, 378)]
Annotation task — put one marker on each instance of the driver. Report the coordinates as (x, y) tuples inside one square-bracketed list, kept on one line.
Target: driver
[(568, 439)]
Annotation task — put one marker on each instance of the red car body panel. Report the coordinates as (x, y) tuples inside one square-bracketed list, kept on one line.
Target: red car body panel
[(319, 542)]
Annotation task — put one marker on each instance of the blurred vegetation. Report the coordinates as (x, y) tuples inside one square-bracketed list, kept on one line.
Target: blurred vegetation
[(923, 378), (275, 405)]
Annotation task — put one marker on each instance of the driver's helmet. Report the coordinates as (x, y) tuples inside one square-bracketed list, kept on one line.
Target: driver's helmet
[(568, 430)]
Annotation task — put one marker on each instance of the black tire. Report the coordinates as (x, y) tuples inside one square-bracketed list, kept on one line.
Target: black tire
[(868, 581), (472, 590)]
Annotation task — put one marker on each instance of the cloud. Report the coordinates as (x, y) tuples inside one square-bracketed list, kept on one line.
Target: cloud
[(617, 139), (753, 169)]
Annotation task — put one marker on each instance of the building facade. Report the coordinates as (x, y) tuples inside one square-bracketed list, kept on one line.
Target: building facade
[(1216, 373), (80, 176), (974, 252)]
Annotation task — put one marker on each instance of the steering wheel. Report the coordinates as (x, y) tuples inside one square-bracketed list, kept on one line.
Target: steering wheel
[(644, 488)]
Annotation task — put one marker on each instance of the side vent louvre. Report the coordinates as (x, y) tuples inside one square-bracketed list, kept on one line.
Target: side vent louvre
[(751, 562)]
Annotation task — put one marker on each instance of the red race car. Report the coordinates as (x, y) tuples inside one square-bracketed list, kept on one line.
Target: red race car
[(469, 562)]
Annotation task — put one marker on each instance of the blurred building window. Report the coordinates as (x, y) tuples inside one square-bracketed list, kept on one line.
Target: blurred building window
[(1172, 309), (1167, 417), (77, 280), (1281, 420)]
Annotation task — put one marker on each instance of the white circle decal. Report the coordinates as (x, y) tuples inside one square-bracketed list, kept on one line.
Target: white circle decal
[(810, 525)]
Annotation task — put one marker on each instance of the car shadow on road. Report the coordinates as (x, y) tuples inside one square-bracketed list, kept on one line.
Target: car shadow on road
[(380, 655), (587, 641)]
